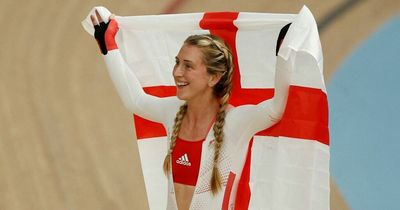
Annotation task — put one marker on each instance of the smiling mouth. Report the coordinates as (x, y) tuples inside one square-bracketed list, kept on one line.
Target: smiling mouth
[(181, 84)]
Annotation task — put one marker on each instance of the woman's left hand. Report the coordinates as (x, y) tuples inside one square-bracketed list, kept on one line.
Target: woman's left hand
[(104, 33)]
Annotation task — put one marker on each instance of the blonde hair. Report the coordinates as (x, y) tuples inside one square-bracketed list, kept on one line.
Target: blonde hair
[(218, 59)]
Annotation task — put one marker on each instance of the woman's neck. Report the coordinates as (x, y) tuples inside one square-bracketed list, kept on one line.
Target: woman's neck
[(202, 111)]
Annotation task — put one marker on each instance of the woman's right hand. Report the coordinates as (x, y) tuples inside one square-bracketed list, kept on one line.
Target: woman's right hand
[(104, 33)]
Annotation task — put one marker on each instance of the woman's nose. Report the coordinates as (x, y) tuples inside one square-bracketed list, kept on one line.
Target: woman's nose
[(177, 71)]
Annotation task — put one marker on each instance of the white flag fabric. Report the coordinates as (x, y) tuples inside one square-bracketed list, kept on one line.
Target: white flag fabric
[(287, 165)]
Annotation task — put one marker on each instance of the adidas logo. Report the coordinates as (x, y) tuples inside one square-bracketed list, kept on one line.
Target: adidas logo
[(184, 160)]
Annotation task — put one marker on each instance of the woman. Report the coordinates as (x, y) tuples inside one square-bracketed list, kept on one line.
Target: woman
[(208, 138)]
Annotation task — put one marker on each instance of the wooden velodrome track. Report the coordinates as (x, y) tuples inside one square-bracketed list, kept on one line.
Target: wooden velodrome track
[(66, 141)]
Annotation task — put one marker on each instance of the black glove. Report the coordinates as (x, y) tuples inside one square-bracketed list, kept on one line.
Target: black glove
[(99, 34)]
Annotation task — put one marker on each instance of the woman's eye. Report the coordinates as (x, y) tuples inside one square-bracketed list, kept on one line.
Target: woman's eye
[(188, 66)]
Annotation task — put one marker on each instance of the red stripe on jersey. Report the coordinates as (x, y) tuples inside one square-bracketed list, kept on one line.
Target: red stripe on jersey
[(228, 190)]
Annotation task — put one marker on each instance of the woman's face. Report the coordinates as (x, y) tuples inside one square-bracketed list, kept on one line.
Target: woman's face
[(190, 73)]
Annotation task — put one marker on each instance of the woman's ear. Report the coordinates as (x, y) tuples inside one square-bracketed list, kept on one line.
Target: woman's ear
[(214, 79)]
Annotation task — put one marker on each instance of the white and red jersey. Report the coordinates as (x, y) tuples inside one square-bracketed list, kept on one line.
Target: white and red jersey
[(287, 165)]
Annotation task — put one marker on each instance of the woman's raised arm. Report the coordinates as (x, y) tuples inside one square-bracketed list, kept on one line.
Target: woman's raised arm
[(251, 119), (128, 86)]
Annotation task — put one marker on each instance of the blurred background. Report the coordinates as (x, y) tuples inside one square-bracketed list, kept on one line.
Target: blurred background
[(67, 142)]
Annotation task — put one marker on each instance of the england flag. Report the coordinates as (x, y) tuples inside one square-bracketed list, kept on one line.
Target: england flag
[(287, 165)]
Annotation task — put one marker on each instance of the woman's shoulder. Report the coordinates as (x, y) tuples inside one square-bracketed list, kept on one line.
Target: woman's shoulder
[(231, 109)]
